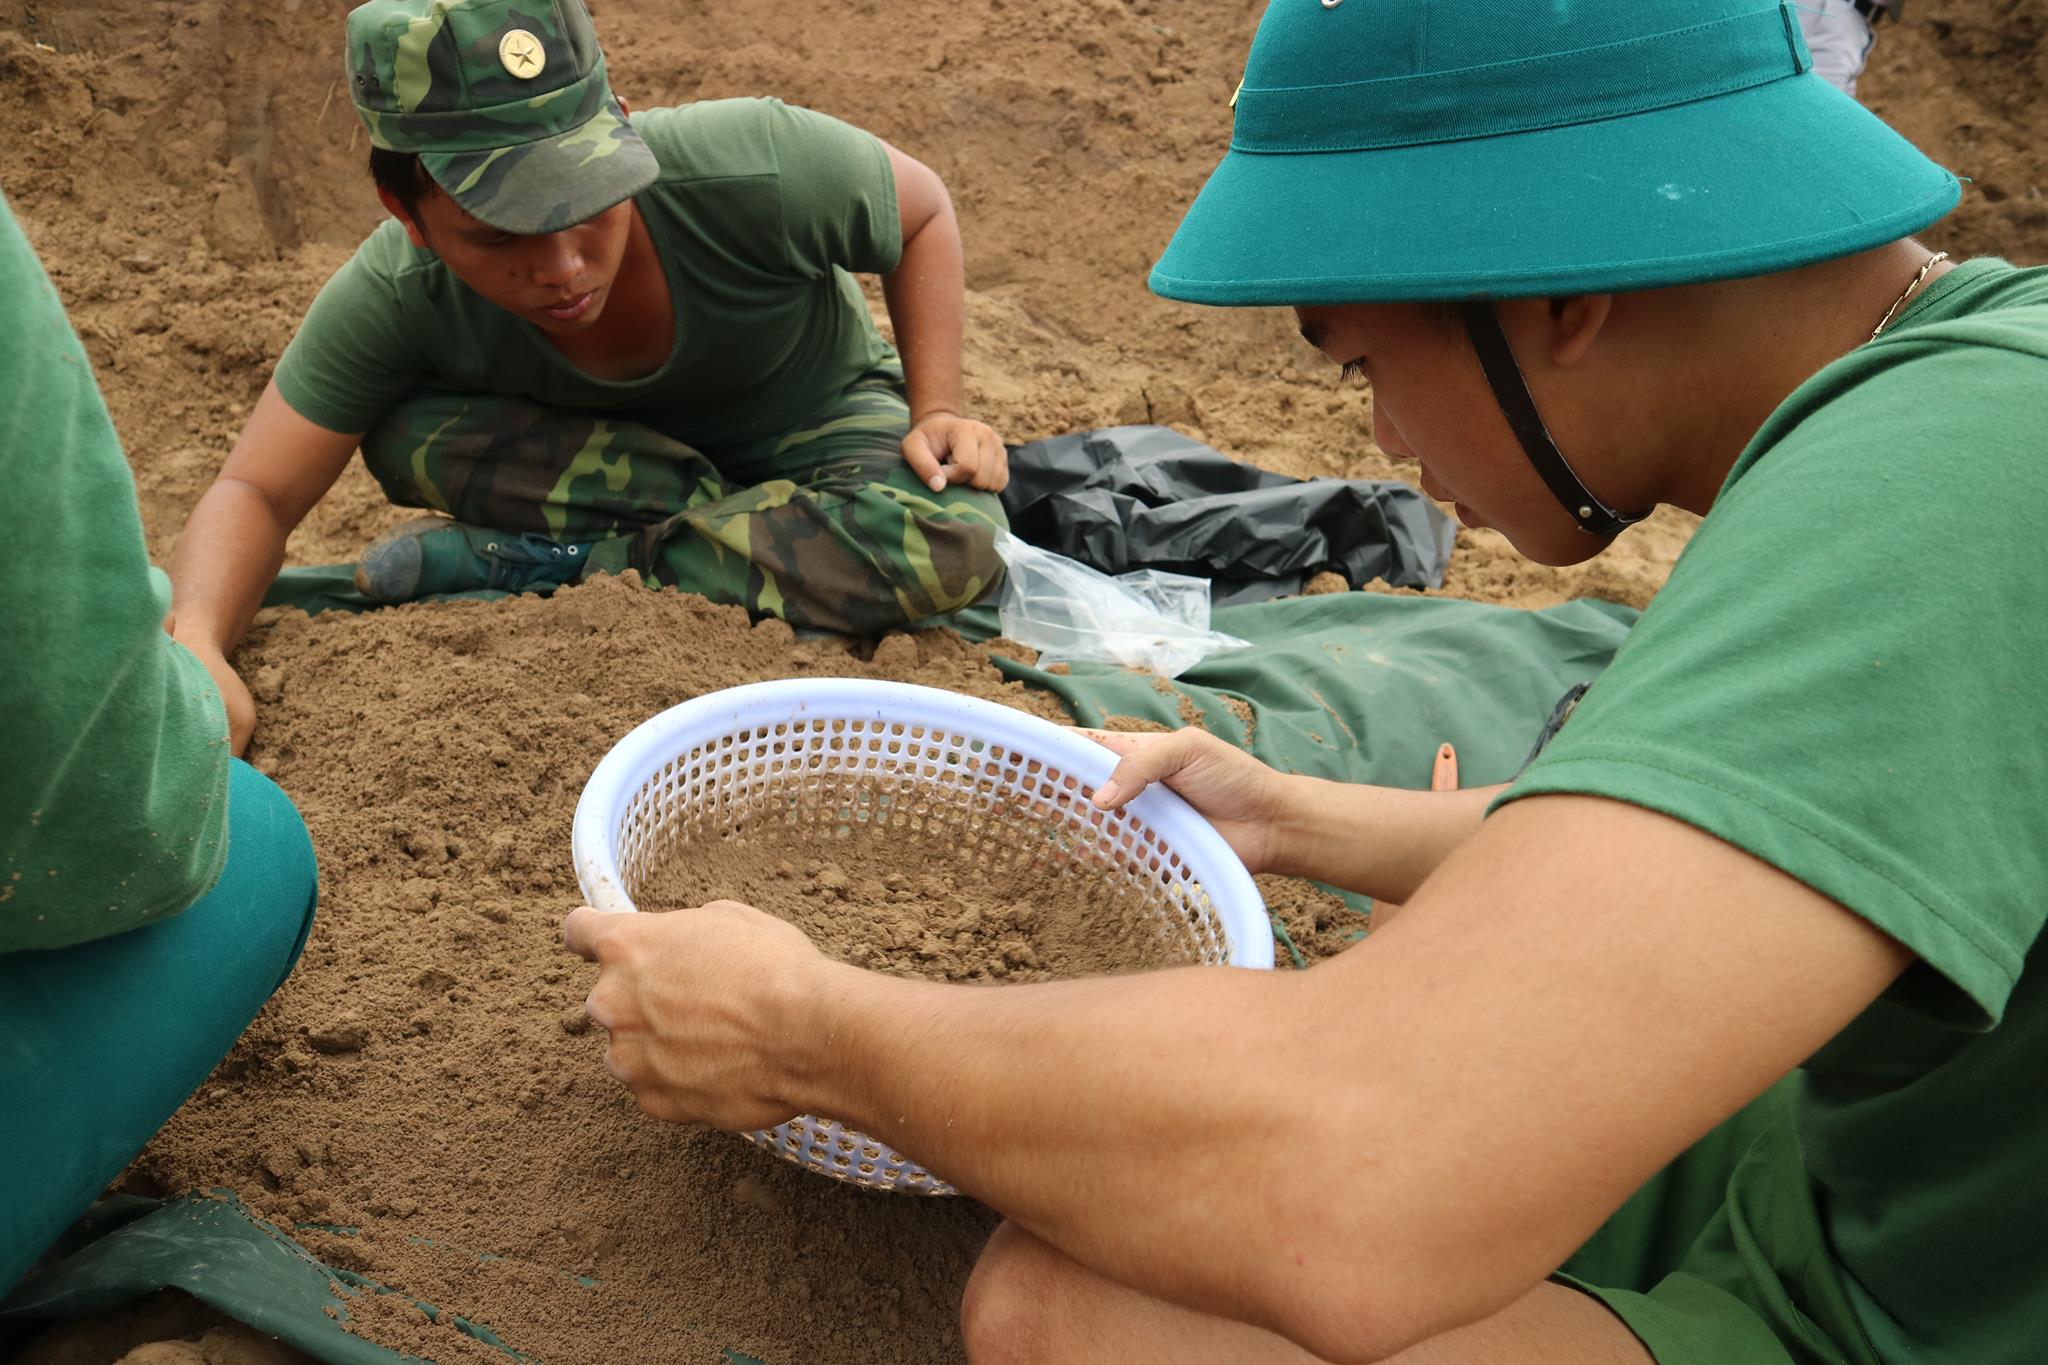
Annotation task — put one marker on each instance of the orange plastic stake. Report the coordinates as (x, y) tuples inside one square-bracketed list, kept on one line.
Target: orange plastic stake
[(1443, 774)]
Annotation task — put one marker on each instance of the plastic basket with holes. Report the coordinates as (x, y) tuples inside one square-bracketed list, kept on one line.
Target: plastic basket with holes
[(803, 762)]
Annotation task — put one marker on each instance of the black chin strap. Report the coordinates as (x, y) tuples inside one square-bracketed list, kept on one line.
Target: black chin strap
[(1497, 359)]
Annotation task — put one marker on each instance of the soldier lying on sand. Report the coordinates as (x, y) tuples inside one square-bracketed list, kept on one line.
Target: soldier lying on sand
[(598, 342)]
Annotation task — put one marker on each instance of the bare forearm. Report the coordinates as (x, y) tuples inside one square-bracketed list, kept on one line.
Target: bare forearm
[(1382, 842), (926, 294), (1087, 1112), (227, 556)]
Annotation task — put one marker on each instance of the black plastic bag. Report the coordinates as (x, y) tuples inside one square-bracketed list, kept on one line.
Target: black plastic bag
[(1123, 498)]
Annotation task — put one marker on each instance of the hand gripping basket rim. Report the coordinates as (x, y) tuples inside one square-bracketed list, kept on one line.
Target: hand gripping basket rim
[(637, 757)]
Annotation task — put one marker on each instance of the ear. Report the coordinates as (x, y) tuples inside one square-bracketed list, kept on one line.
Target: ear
[(397, 210), (1575, 323), (624, 107)]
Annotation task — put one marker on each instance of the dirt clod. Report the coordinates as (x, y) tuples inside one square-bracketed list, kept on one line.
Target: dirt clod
[(346, 1033)]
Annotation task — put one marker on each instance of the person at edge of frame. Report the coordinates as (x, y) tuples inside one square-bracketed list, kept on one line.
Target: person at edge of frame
[(1715, 1035), (1841, 34), (154, 891), (591, 341)]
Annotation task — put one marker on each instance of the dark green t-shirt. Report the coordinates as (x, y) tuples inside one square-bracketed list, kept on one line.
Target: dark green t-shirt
[(760, 212), (113, 740), (1847, 676)]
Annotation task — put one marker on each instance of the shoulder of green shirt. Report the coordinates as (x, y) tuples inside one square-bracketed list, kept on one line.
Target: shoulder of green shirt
[(1981, 285), (1982, 302), (727, 139), (359, 313), (738, 139), (833, 188), (1896, 637), (1986, 304)]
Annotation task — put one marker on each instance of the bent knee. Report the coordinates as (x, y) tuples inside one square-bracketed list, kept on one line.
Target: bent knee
[(272, 876), (1008, 1314)]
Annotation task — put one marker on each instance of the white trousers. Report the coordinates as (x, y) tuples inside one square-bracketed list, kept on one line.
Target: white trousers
[(1839, 37)]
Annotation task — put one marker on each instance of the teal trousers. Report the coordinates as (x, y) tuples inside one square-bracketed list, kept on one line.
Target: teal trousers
[(101, 1042)]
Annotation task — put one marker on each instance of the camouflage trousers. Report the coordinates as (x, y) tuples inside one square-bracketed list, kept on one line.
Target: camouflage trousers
[(824, 526)]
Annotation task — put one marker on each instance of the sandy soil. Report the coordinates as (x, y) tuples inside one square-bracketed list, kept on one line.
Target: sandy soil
[(191, 174), (428, 1080)]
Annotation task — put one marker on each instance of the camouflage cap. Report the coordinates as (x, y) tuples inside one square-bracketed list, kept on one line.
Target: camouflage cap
[(506, 103)]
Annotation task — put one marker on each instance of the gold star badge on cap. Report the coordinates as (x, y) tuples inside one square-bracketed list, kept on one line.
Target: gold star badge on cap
[(521, 54)]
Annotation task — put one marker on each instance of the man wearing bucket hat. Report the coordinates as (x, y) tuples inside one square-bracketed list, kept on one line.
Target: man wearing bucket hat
[(1713, 1037), (595, 342)]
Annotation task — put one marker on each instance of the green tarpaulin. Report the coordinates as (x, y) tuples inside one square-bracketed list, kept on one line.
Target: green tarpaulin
[(1362, 687), (214, 1249)]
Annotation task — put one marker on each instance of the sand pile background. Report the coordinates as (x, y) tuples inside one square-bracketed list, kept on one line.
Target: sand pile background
[(191, 173)]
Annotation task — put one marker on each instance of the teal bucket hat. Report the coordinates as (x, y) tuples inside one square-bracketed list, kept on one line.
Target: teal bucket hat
[(505, 102), (1407, 149)]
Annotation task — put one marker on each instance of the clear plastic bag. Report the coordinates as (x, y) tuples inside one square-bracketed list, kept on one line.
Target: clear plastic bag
[(1071, 613)]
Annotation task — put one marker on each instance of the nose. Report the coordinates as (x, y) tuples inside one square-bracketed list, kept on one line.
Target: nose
[(555, 260), (1386, 435)]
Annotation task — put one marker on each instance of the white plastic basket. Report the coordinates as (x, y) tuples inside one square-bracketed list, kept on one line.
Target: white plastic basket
[(817, 757)]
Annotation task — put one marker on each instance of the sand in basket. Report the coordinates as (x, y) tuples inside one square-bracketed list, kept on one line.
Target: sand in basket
[(905, 903)]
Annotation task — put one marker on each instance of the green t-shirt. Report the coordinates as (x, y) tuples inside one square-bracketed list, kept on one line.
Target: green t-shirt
[(760, 212), (1847, 676), (113, 740)]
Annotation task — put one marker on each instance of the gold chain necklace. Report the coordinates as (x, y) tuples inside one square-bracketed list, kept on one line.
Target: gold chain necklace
[(1936, 259)]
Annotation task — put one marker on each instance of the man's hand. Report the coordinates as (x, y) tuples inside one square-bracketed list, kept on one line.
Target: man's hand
[(696, 1002), (234, 693), (946, 448), (1245, 800)]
